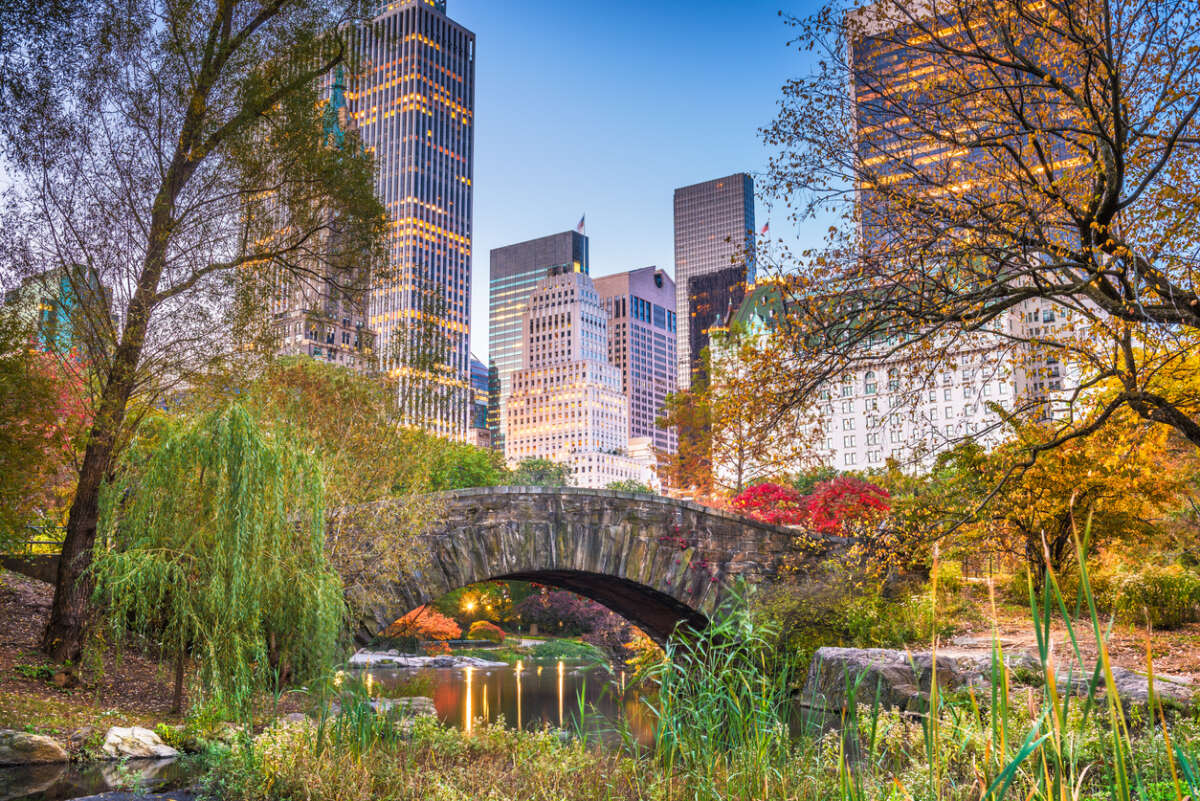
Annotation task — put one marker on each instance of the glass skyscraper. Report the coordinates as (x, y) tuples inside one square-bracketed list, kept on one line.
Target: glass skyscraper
[(515, 271), (714, 231), (414, 103)]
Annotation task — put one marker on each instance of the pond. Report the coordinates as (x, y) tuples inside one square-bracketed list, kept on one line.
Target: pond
[(527, 696), (72, 780)]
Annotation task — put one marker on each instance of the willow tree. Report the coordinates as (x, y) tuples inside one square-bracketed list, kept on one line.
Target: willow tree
[(1010, 182), (179, 153), (214, 551)]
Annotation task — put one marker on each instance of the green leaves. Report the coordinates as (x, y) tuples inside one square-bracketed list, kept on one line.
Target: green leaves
[(216, 551)]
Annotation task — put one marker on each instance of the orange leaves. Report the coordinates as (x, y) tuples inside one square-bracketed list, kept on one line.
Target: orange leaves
[(427, 623)]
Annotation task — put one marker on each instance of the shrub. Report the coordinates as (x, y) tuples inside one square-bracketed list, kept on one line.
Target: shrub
[(949, 577), (427, 623), (553, 650), (1165, 597), (483, 630), (437, 648), (561, 611)]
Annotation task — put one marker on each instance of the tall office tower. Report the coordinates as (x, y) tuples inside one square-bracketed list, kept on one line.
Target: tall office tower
[(515, 271), (641, 341), (714, 230), (321, 311), (566, 402), (414, 102), (480, 436)]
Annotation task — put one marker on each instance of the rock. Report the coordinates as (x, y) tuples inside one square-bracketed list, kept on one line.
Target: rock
[(22, 748), (1133, 688), (407, 707), (135, 742), (902, 681), (77, 738)]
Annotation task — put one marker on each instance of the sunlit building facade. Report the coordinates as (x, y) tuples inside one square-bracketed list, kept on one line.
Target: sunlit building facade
[(414, 103), (714, 231), (640, 305), (515, 271), (566, 403)]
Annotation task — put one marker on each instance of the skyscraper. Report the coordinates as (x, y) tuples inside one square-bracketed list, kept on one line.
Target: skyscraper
[(566, 402), (320, 311), (714, 230), (515, 271), (480, 436), (414, 103), (641, 343)]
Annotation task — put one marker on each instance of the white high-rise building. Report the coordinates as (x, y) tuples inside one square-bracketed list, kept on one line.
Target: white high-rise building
[(909, 407), (641, 342), (566, 402)]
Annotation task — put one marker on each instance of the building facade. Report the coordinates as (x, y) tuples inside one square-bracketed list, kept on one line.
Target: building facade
[(908, 407), (515, 271), (480, 436), (714, 231), (566, 403), (414, 103), (640, 305)]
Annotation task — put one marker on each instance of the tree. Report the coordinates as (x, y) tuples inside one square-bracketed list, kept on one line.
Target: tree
[(1121, 477), (425, 622), (45, 413), (771, 503), (630, 485), (845, 502), (541, 473), (757, 435), (1018, 177), (216, 550), (689, 413), (179, 146)]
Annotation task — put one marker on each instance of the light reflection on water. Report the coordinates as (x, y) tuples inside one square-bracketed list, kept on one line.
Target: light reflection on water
[(529, 697)]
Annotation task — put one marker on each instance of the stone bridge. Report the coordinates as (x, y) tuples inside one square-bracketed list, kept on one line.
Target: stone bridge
[(653, 560)]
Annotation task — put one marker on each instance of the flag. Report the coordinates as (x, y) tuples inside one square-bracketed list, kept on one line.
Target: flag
[(579, 227), (766, 227)]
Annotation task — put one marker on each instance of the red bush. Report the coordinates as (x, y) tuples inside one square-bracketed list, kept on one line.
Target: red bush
[(844, 500), (771, 503), (426, 623)]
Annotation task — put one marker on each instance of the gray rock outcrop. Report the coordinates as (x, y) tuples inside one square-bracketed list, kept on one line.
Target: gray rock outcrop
[(901, 680), (22, 748), (135, 742)]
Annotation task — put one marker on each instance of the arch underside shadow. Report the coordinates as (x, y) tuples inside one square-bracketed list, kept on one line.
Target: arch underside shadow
[(654, 612)]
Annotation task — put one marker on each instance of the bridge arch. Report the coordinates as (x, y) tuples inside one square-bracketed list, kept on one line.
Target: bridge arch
[(656, 561)]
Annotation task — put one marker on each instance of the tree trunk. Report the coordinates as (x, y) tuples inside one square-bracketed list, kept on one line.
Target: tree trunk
[(177, 703)]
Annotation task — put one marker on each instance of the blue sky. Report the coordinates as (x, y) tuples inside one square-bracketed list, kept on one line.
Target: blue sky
[(605, 108)]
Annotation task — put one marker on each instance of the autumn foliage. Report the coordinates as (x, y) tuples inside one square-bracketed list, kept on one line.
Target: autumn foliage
[(425, 623), (484, 630), (828, 509)]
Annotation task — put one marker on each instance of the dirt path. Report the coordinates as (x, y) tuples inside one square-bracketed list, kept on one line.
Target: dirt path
[(1176, 653)]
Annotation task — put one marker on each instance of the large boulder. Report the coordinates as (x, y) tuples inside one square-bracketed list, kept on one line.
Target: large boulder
[(134, 742), (902, 680), (22, 748)]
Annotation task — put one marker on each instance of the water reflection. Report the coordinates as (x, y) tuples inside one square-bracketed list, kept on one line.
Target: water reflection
[(530, 697)]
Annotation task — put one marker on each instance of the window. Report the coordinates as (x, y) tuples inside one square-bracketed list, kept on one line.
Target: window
[(847, 407), (848, 459), (947, 394), (869, 385), (873, 439), (847, 423), (848, 442), (893, 379)]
